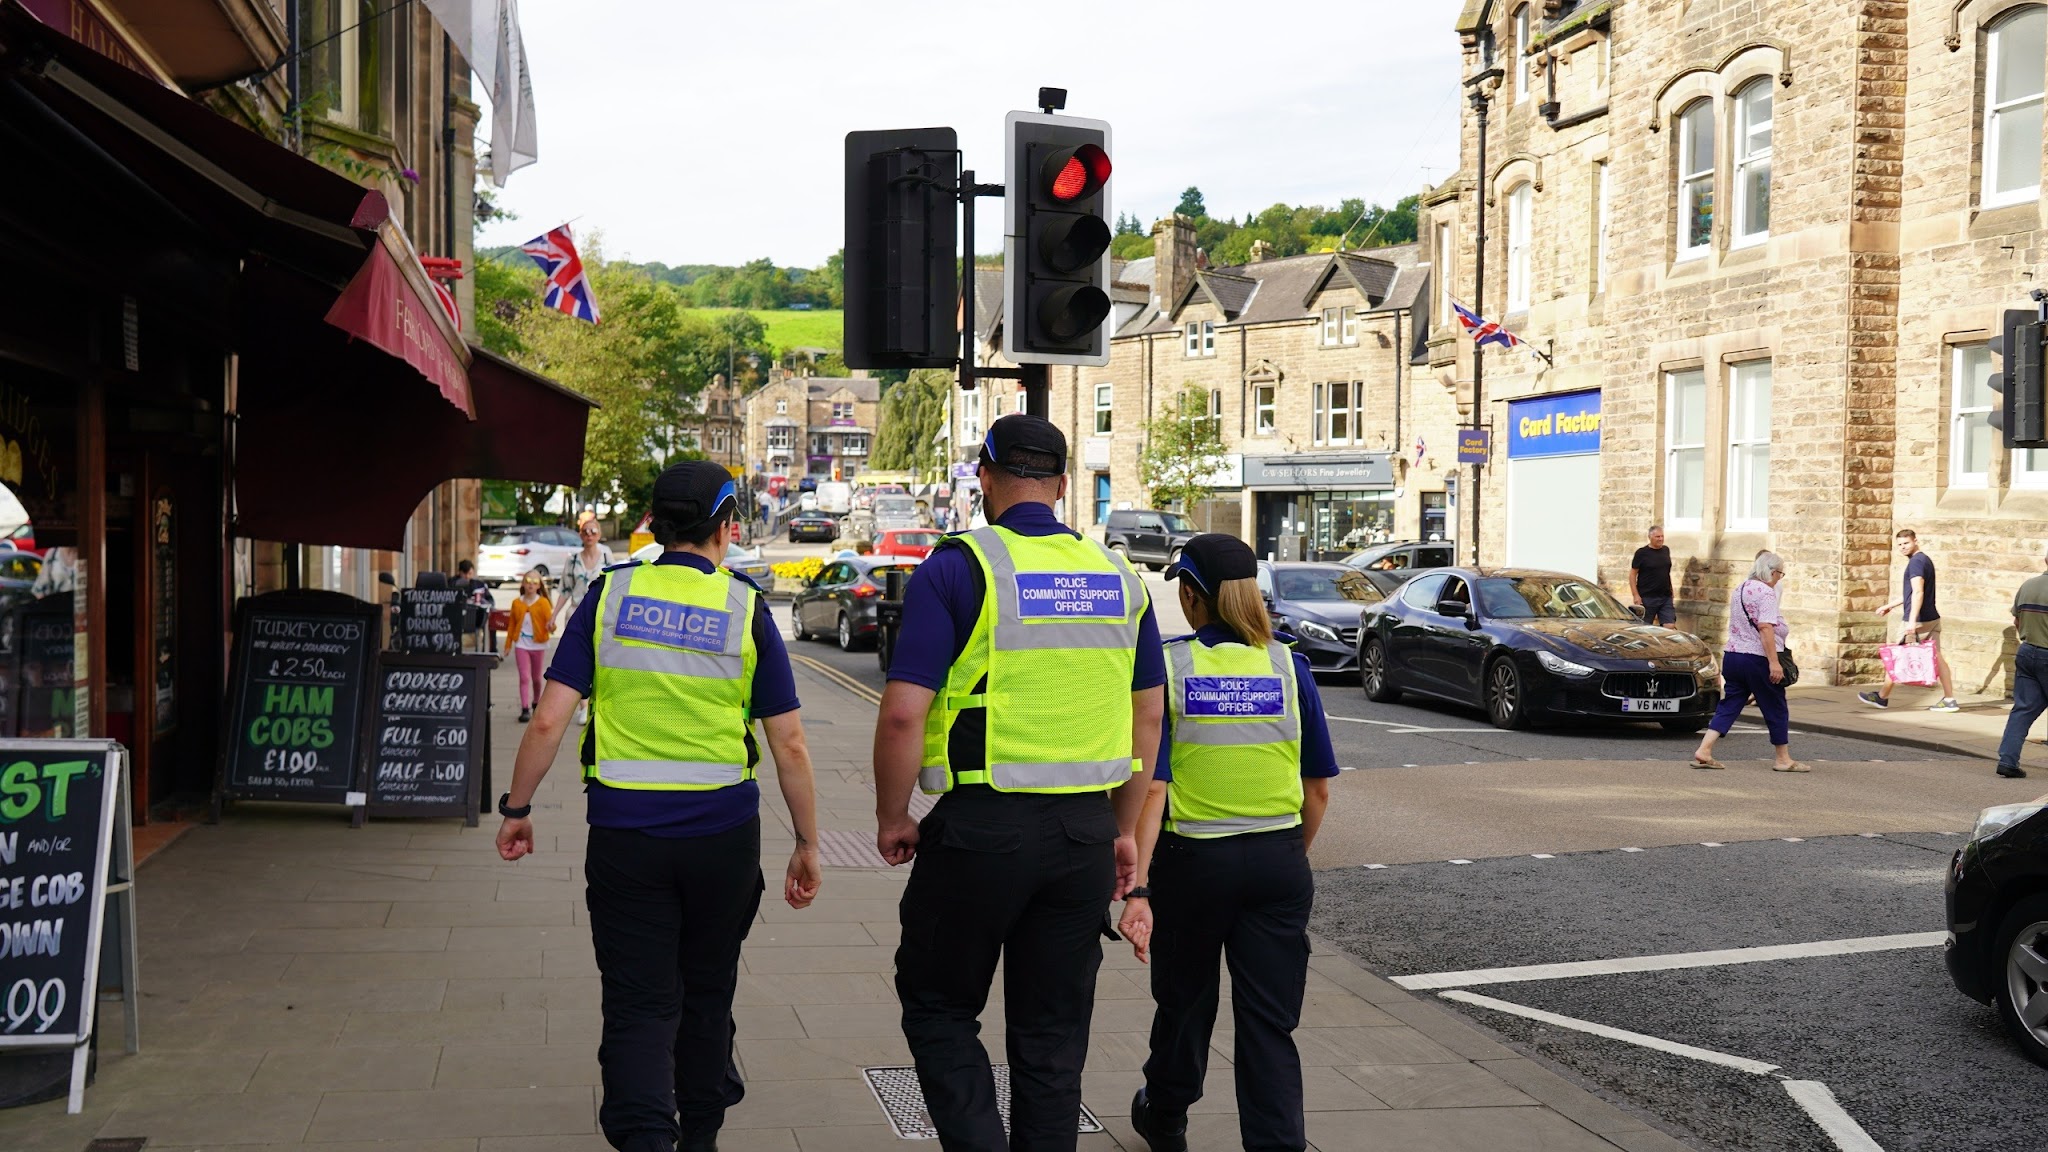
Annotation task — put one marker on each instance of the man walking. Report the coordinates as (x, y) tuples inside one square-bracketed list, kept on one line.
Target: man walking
[(1922, 624), (678, 657), (2030, 670), (1649, 581), (1028, 673)]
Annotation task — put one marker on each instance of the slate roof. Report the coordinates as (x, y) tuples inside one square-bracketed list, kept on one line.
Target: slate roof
[(988, 301), (862, 387), (1285, 289)]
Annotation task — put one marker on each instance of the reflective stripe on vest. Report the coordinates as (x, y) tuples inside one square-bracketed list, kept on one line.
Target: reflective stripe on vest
[(655, 693), (1236, 730), (1017, 653)]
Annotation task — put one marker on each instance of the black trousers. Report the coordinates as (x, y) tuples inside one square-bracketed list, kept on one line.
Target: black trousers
[(1247, 897), (668, 917), (1026, 878)]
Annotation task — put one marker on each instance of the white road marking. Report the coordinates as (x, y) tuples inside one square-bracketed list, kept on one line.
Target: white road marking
[(1402, 728), (1542, 856), (1411, 765), (1669, 961), (1870, 835), (1704, 1055), (1631, 849), (1793, 839), (1375, 867), (1461, 861), (1710, 844), (1827, 1112)]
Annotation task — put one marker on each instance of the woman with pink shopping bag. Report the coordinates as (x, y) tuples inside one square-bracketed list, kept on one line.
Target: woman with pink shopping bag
[(1755, 667)]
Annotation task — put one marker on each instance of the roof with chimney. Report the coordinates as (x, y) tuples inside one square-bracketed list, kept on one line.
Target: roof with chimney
[(1286, 289)]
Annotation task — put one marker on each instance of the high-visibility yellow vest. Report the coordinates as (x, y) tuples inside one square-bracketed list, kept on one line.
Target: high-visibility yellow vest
[(1057, 644), (1236, 739), (675, 678)]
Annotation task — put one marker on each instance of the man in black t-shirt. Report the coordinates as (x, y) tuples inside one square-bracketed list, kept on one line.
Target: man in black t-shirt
[(1649, 580)]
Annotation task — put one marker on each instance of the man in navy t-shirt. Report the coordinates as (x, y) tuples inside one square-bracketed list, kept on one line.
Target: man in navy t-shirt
[(1922, 622)]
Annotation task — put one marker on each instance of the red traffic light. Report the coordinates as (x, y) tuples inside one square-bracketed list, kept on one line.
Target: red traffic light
[(1072, 173)]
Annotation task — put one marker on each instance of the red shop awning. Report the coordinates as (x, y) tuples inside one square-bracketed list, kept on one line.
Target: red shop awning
[(337, 443), (396, 313)]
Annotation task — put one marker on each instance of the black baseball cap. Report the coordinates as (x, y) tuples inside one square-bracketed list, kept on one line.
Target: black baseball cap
[(1212, 558), (1034, 433), (695, 492)]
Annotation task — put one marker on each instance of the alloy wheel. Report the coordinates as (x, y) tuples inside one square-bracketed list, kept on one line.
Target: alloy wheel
[(2026, 979), (845, 633), (1503, 692), (1373, 668)]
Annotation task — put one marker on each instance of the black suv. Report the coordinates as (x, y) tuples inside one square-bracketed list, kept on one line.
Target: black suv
[(1148, 537)]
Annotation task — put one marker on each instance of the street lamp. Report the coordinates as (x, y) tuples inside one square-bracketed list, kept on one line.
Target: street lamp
[(1479, 89)]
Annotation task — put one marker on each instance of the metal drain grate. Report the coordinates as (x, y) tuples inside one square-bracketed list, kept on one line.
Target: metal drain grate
[(897, 1091)]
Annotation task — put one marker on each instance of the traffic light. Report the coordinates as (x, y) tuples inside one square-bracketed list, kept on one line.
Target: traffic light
[(1056, 239), (902, 241), (2020, 412)]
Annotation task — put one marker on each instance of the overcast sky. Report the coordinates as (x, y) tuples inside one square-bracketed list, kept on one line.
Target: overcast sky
[(712, 133)]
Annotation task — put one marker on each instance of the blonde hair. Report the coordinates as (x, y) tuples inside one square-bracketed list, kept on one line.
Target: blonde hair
[(1240, 606)]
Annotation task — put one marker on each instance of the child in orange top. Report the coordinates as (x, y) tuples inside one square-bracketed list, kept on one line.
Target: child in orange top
[(526, 636)]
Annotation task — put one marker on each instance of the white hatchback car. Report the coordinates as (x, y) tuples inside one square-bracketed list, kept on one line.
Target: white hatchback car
[(510, 553)]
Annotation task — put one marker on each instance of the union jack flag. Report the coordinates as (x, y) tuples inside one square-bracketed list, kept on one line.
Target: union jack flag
[(1484, 332), (567, 289)]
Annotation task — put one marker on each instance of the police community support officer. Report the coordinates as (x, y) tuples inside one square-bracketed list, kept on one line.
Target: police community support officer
[(1027, 671), (677, 657), (1241, 780)]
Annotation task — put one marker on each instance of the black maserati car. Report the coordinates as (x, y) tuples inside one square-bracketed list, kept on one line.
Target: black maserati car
[(1527, 645), (1998, 920)]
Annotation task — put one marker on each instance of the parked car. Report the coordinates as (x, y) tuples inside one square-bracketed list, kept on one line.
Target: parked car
[(1997, 897), (1320, 605), (895, 510), (1146, 536), (813, 526), (510, 553), (18, 572), (1405, 556), (840, 601), (746, 561), (914, 542), (1533, 645)]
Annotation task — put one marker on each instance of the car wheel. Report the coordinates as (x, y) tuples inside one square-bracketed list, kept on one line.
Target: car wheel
[(1682, 727), (2022, 987), (1372, 673), (796, 620), (1123, 552), (1505, 704), (846, 640), (542, 569)]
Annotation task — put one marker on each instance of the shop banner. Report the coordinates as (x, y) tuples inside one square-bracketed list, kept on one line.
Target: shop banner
[(1565, 425), (1327, 470)]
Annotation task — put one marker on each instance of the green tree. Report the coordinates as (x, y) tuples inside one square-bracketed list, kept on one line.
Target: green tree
[(1182, 449), (913, 415), (502, 293), (1130, 246), (1191, 203)]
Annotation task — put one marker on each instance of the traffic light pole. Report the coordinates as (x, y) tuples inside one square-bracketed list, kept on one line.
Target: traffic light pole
[(970, 372)]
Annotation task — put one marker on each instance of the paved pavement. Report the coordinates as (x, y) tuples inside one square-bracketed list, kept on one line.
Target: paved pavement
[(1916, 1064), (398, 987)]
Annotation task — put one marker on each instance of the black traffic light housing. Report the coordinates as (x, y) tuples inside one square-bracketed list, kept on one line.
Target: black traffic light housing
[(1056, 239), (902, 247), (2021, 411)]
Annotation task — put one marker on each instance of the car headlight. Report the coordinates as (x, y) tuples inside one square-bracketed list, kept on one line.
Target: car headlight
[(1561, 666), (1315, 631), (1996, 819)]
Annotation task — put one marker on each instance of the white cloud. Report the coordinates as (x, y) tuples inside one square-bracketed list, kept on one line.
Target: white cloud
[(713, 133)]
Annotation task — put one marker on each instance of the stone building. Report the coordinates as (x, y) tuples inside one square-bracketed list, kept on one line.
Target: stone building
[(821, 427), (1765, 244)]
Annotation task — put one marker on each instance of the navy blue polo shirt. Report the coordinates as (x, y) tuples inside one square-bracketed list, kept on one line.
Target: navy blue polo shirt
[(1318, 758), (653, 811), (940, 609)]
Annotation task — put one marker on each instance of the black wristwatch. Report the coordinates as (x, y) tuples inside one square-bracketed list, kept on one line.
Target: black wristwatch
[(1141, 892), (506, 809)]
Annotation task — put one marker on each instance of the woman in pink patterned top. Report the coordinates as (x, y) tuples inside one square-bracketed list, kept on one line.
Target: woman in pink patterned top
[(1750, 668)]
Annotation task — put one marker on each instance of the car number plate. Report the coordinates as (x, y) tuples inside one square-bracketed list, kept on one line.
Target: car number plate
[(1633, 705)]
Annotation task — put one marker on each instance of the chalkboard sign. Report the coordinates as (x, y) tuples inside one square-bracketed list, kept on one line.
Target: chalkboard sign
[(295, 697), (430, 620), (429, 736), (57, 804)]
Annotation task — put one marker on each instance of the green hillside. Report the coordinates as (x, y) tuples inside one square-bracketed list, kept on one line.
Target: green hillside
[(817, 328)]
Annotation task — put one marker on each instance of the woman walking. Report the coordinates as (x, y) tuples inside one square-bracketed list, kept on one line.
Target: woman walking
[(1753, 666), (527, 629), (1241, 783), (583, 567)]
